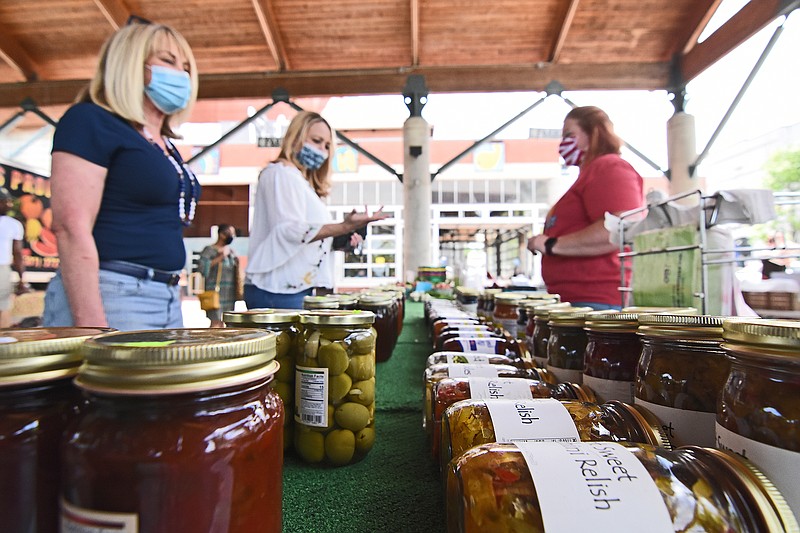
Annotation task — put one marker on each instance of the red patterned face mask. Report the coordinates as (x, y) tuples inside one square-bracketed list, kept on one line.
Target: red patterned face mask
[(568, 149)]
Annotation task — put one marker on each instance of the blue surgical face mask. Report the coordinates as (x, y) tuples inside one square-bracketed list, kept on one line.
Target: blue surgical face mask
[(170, 90), (311, 157)]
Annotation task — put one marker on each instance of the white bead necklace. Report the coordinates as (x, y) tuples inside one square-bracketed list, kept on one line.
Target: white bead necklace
[(184, 174)]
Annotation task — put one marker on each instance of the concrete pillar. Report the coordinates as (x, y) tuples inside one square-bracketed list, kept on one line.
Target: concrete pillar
[(682, 153), (417, 222)]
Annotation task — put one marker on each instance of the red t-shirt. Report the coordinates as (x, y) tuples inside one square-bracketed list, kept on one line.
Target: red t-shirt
[(608, 183)]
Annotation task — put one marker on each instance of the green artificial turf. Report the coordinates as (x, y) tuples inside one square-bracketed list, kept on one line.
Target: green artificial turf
[(396, 488)]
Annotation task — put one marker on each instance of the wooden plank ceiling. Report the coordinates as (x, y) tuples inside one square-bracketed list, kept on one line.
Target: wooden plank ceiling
[(248, 48)]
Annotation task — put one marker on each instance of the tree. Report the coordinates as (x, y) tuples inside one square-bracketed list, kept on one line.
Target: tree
[(784, 176)]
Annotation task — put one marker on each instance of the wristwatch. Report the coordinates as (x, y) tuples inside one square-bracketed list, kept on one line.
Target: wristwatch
[(548, 245)]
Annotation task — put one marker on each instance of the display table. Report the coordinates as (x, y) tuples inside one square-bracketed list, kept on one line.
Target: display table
[(397, 486)]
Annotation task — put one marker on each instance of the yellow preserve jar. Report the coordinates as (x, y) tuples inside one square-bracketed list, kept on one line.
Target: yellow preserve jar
[(567, 343), (681, 373), (285, 323), (612, 354), (181, 432), (335, 388), (37, 401), (759, 408)]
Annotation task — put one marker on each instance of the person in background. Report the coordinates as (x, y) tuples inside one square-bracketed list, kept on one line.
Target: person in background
[(11, 235), (578, 260), (121, 193), (213, 258), (292, 232)]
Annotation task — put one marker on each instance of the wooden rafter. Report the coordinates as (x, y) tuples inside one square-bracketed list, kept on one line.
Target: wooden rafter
[(15, 56), (566, 23), (114, 11), (414, 5), (269, 27), (696, 22)]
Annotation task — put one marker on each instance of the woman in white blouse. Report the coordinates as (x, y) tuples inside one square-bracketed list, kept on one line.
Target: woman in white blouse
[(290, 240)]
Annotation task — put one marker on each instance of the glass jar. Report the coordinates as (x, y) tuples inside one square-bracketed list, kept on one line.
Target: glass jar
[(471, 358), (335, 388), (609, 486), (681, 373), (489, 309), (479, 332), (285, 323), (181, 432), (759, 408), (650, 310), (385, 310), (567, 343), (315, 303), (505, 312), (496, 345), (524, 325), (612, 353), (348, 302), (441, 323), (541, 332), (37, 401), (470, 423), (467, 299)]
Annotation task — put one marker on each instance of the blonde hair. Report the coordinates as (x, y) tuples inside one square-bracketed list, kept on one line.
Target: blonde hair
[(296, 135), (118, 82)]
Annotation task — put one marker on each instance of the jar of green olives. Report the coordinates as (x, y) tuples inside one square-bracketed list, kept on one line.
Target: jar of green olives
[(567, 343), (759, 408), (335, 387), (470, 423), (612, 353), (540, 315), (681, 373), (285, 323), (610, 486)]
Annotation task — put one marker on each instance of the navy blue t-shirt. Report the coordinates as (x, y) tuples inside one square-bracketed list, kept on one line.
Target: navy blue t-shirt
[(138, 219)]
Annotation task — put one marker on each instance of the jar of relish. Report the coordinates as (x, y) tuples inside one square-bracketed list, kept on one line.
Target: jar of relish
[(384, 308), (313, 303), (567, 343), (505, 312), (524, 330), (541, 331), (467, 299), (462, 330), (612, 353), (37, 401), (759, 409), (490, 295), (471, 358), (681, 373), (181, 432)]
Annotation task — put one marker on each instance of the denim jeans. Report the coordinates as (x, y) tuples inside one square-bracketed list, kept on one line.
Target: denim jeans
[(129, 303), (256, 298)]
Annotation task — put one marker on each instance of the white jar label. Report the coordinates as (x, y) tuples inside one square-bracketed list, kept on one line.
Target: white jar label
[(564, 375), (311, 396), (508, 324), (471, 370), (609, 389), (683, 427), (77, 520), (467, 358), (487, 345), (782, 467), (594, 486), (537, 420), (497, 388)]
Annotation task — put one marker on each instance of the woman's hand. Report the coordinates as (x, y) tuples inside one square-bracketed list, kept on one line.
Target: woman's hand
[(536, 243), (355, 220)]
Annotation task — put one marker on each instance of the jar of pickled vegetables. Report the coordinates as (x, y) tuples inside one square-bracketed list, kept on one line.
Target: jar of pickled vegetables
[(37, 401), (541, 332), (470, 423), (385, 310), (471, 358), (681, 373), (759, 408), (313, 303), (467, 299), (505, 312), (181, 432), (335, 388), (285, 323), (567, 343), (612, 353), (609, 486)]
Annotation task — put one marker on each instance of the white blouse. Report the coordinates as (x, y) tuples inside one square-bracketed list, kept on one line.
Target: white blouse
[(287, 215)]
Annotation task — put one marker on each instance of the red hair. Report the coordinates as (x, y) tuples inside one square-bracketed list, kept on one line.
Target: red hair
[(600, 130)]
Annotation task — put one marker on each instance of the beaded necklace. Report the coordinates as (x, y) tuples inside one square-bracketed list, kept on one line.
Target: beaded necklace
[(184, 174)]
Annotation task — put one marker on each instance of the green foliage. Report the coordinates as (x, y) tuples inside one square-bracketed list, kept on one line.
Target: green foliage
[(784, 171)]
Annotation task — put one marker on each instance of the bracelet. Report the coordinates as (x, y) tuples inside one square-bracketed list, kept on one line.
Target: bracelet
[(548, 245)]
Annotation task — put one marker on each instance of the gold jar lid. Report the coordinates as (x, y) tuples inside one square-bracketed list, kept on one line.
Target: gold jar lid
[(320, 302), (569, 316), (642, 310), (259, 317), (681, 327), (543, 311), (508, 298), (338, 318), (374, 300), (540, 295), (646, 421), (344, 299), (466, 291), (173, 361), (612, 321), (29, 355), (768, 337)]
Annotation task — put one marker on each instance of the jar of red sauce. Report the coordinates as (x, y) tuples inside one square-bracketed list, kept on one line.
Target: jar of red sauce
[(37, 400), (505, 312), (181, 432), (385, 310)]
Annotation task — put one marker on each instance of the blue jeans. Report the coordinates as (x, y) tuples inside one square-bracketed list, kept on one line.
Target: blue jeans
[(596, 306), (129, 303), (256, 298)]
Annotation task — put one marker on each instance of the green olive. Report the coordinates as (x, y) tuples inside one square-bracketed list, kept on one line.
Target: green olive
[(286, 371), (312, 346), (284, 390), (362, 392), (352, 416), (334, 334), (362, 343), (364, 440), (333, 356), (310, 445), (338, 387), (282, 344), (361, 367), (340, 445)]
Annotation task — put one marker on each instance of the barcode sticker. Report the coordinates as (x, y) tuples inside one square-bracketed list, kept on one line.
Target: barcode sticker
[(311, 396)]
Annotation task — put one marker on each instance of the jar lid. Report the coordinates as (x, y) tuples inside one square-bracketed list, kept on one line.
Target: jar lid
[(540, 295), (508, 298), (612, 321), (770, 505), (374, 300), (543, 311), (660, 310), (30, 355), (320, 302), (338, 318), (173, 361), (688, 327), (776, 337), (257, 317), (466, 291), (569, 316), (646, 421)]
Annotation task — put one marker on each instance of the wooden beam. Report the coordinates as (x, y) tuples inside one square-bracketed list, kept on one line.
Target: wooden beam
[(414, 4), (114, 11), (269, 27), (566, 23), (15, 56), (747, 22), (696, 22)]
